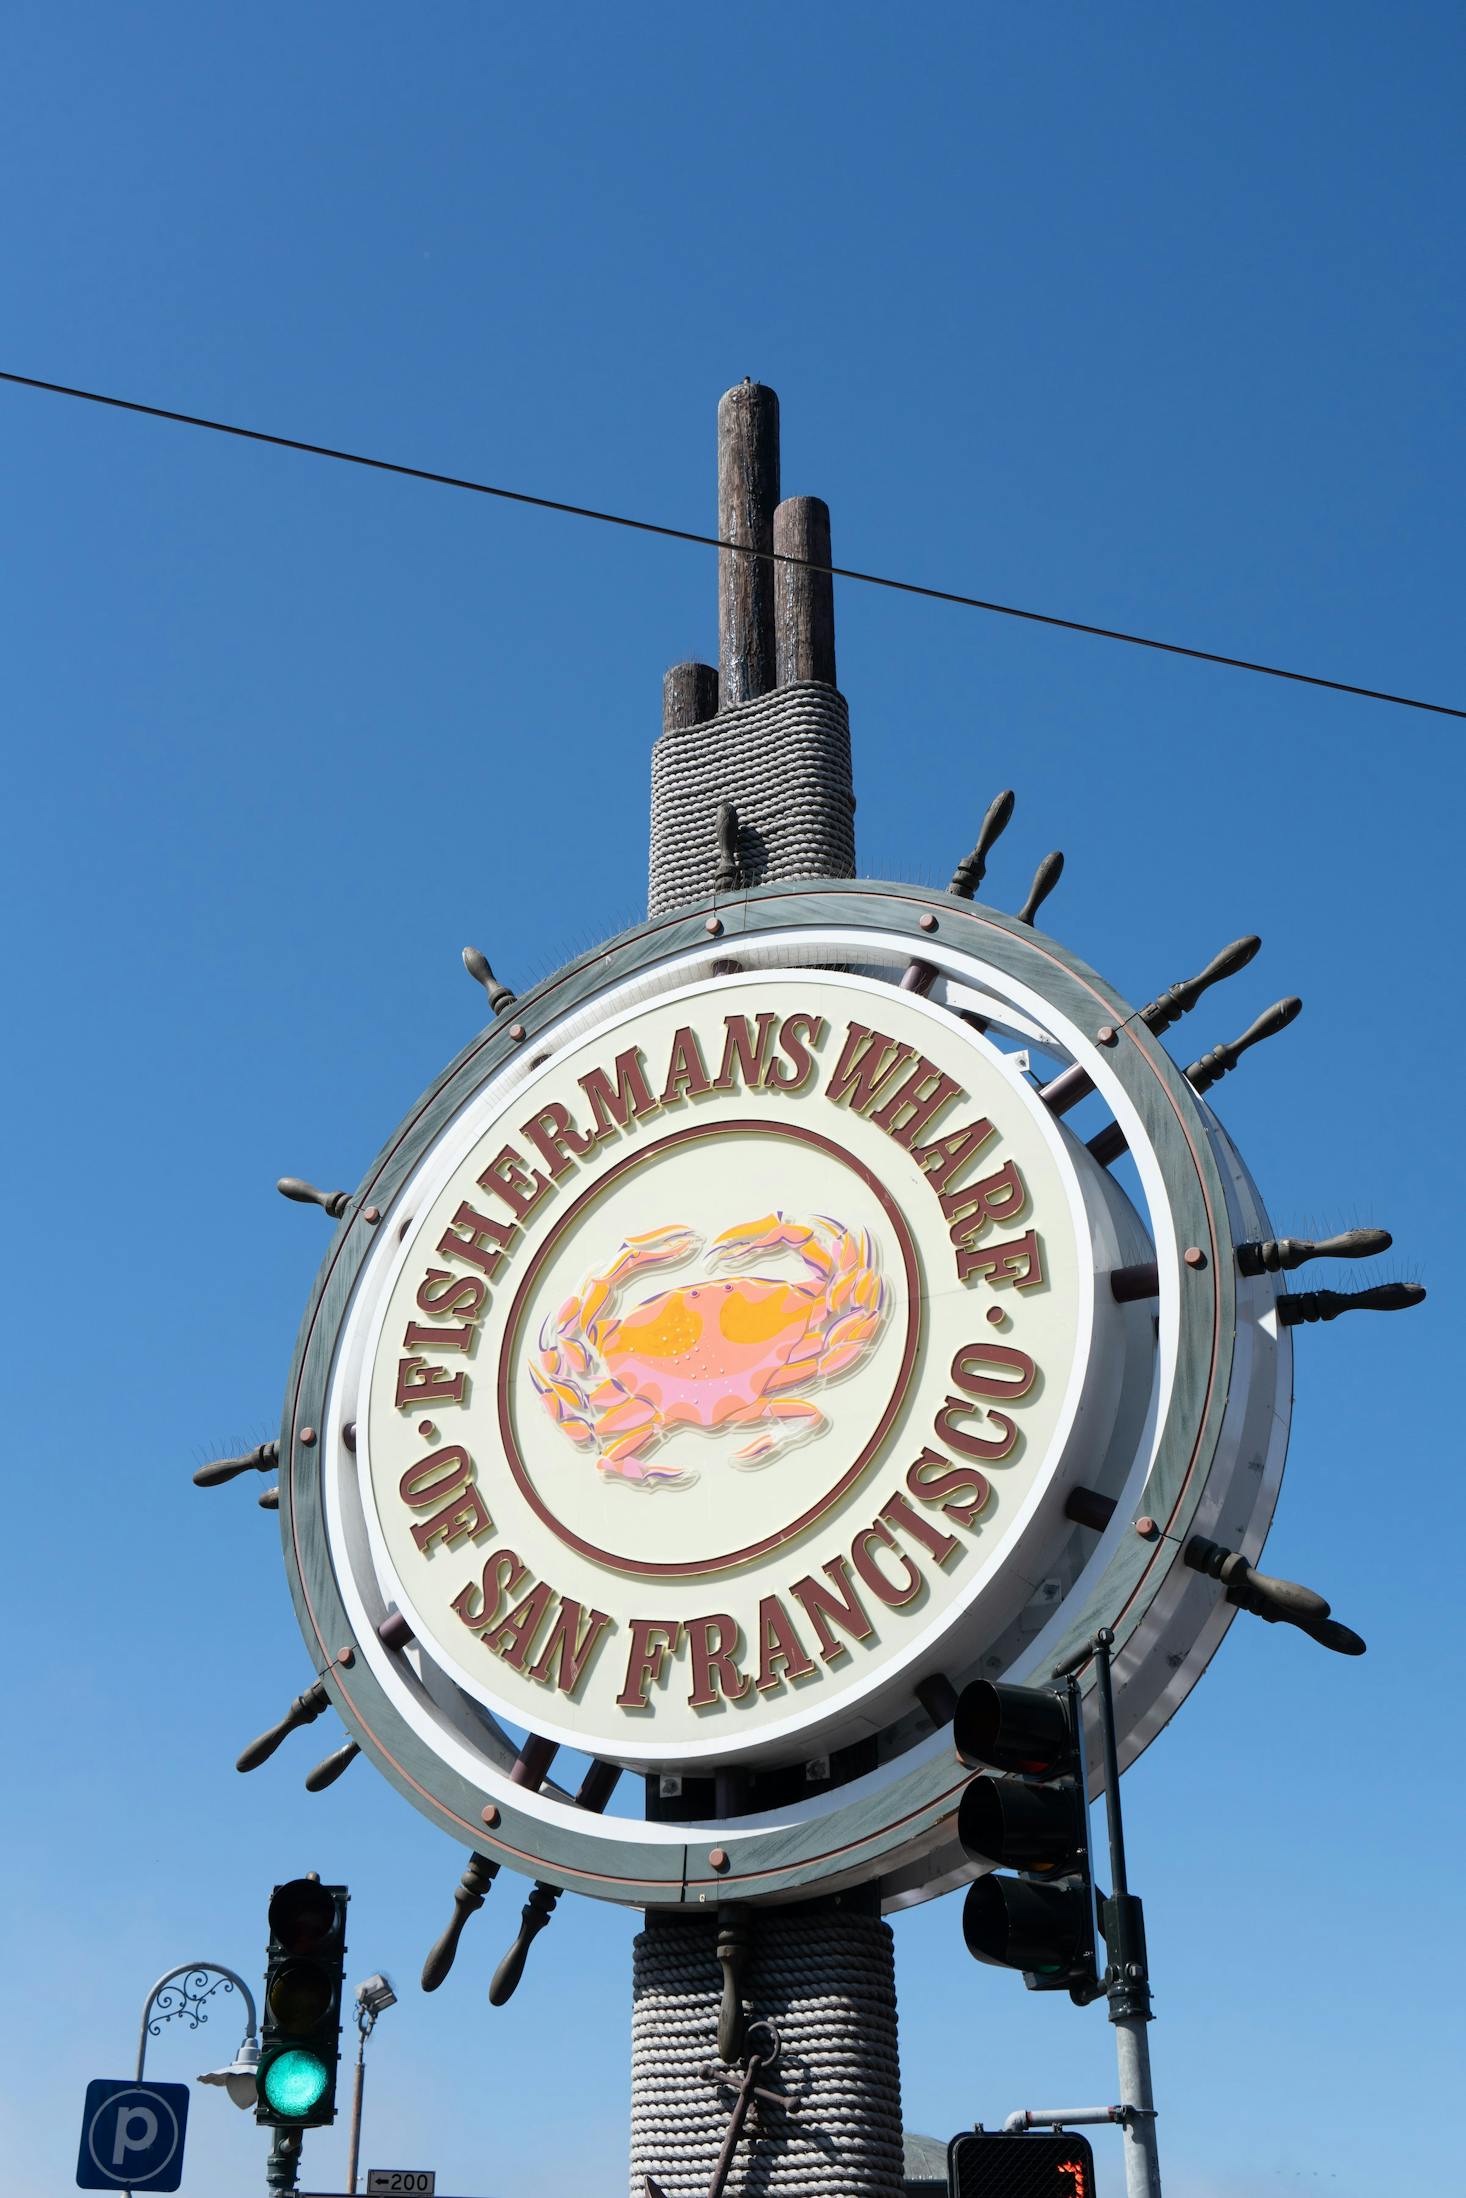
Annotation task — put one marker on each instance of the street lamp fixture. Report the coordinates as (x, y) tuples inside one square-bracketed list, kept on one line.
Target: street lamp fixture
[(373, 1998), (238, 2078)]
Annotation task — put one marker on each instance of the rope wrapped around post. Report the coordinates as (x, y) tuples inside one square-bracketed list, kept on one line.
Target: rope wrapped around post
[(825, 1977)]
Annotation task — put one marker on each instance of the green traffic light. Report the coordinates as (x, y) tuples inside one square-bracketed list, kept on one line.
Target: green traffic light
[(295, 2081)]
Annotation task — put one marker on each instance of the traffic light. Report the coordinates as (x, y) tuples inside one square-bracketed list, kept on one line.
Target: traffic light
[(300, 2041), (991, 2164), (1034, 1820)]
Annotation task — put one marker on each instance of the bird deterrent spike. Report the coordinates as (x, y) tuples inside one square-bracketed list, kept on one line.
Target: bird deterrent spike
[(1302, 1307), (265, 1459), (1276, 1255), (330, 1767), (335, 1203), (468, 1898), (478, 968), (968, 875), (304, 1710), (1204, 1073), (726, 876), (1179, 999), (1045, 878)]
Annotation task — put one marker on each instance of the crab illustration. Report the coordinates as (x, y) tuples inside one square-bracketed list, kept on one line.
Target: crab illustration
[(715, 1354)]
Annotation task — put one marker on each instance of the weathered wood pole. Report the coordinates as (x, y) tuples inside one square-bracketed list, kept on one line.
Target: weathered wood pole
[(689, 696), (748, 490), (804, 601)]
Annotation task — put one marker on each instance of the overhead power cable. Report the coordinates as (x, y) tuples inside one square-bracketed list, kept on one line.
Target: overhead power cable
[(713, 541)]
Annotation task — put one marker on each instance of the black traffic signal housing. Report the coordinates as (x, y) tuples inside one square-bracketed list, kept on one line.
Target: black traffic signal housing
[(1033, 1820), (300, 2030), (987, 2163)]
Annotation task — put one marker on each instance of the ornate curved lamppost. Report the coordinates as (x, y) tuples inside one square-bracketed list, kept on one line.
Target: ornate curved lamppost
[(186, 1991)]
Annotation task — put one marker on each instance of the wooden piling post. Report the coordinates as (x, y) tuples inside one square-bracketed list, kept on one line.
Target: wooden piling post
[(748, 490), (804, 601), (689, 696)]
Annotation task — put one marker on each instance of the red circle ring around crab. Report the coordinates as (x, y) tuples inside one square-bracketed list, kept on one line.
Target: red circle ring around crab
[(508, 1356)]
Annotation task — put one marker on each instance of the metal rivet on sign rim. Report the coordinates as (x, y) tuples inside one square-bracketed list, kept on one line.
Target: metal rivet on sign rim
[(516, 1032), (713, 927), (371, 1213), (1146, 1528), (1194, 1256), (717, 1858), (308, 1437), (348, 1436), (346, 1656), (928, 921), (1106, 1035), (490, 1816)]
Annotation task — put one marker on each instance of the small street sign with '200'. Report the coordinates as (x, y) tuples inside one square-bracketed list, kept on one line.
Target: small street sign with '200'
[(401, 2182)]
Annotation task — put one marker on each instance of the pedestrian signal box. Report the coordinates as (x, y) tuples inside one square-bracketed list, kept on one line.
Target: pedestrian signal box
[(993, 2164)]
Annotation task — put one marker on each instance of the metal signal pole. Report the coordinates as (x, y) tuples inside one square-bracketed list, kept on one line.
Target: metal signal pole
[(1127, 1976)]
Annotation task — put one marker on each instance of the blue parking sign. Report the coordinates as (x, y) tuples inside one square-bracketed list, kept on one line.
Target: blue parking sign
[(132, 2135)]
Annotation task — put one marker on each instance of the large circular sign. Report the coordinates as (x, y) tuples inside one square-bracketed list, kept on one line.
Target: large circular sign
[(739, 1348), (725, 1363)]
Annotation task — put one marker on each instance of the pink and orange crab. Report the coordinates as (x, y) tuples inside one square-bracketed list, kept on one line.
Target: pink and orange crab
[(715, 1354)]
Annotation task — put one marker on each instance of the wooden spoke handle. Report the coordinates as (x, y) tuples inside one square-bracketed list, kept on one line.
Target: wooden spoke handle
[(468, 1898), (304, 1710), (265, 1459)]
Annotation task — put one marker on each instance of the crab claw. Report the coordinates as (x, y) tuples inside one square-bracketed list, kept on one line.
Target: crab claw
[(747, 1237), (655, 1248)]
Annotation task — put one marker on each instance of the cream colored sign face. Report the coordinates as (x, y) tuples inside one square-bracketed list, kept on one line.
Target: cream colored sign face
[(719, 1371)]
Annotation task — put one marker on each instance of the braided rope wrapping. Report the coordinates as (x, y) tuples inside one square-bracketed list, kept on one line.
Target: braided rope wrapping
[(783, 760), (826, 1978)]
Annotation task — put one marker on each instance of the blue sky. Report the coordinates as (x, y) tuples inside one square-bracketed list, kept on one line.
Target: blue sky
[(1148, 315)]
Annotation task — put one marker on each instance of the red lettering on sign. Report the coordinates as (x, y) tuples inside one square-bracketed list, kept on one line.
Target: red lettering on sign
[(822, 1607), (630, 1098), (867, 1060), (895, 1593), (687, 1075), (420, 1383), (743, 1054), (945, 1156), (569, 1647), (652, 1641), (442, 1292), (712, 1644), (1018, 1263), (504, 1574), (464, 1518), (797, 1034), (781, 1653), (959, 1492)]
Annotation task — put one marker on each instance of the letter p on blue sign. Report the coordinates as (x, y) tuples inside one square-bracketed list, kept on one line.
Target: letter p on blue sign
[(132, 2135)]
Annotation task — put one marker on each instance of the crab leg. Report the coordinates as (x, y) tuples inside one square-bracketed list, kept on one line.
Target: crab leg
[(621, 1460), (800, 1418)]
